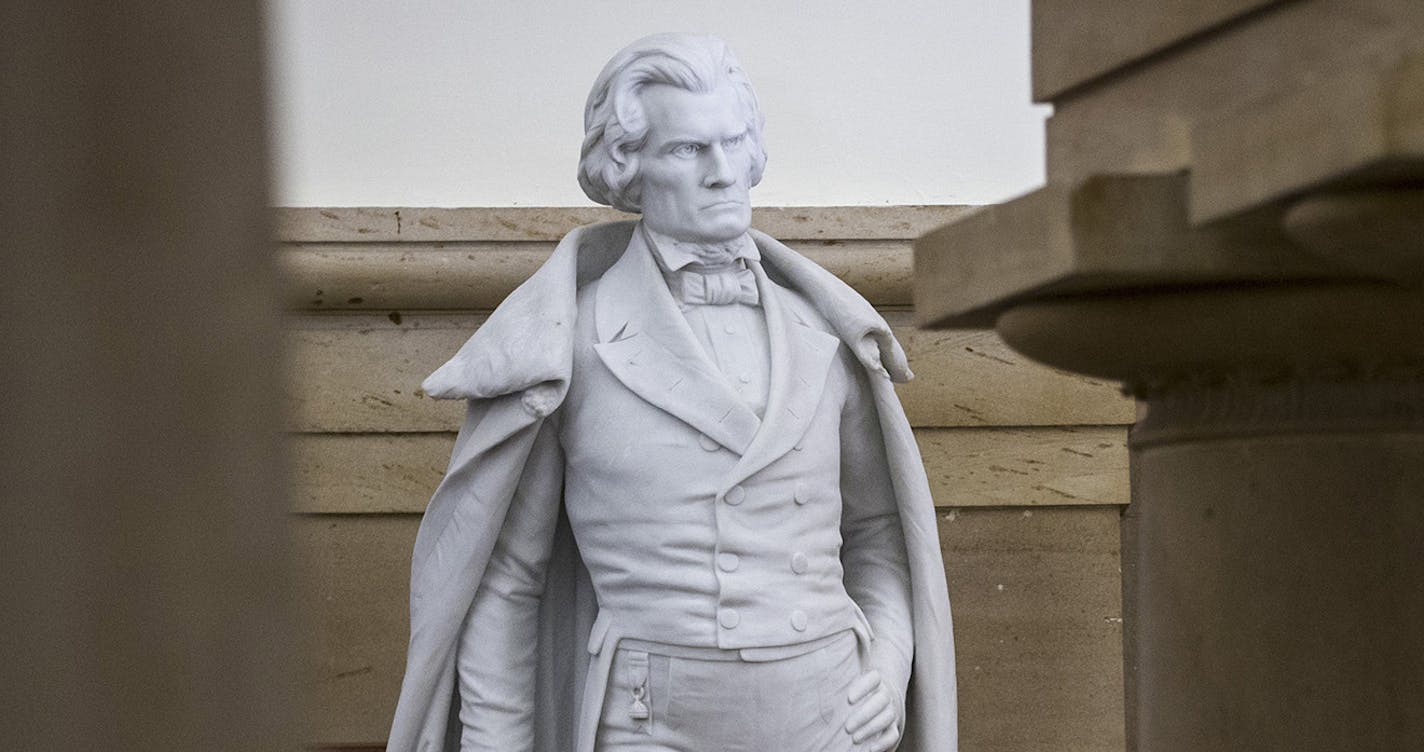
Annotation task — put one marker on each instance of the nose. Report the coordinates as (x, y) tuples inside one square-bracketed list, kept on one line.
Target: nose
[(719, 172)]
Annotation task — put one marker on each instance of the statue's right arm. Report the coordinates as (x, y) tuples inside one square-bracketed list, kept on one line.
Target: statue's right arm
[(499, 641)]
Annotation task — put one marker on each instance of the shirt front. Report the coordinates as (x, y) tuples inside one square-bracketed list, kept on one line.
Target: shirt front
[(733, 335)]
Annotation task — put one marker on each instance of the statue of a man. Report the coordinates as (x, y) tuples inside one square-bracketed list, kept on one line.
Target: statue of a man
[(685, 511)]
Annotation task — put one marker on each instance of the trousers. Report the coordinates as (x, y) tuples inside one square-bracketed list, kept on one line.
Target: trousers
[(706, 702)]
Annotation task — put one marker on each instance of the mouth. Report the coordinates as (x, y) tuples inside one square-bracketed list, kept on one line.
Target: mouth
[(729, 203)]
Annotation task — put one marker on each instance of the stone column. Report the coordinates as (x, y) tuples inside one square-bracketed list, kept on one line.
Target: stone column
[(1233, 229), (143, 539)]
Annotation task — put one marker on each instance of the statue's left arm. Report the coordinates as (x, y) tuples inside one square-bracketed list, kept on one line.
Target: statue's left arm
[(877, 573)]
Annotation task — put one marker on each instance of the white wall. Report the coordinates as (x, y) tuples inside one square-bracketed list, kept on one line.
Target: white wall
[(480, 103)]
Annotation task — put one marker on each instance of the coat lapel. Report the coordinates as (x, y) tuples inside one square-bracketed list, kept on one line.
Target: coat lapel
[(800, 360), (645, 341)]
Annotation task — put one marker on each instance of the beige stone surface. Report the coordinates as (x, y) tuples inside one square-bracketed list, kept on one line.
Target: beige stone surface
[(1359, 124), (1038, 628), (967, 467), (1141, 119), (1076, 41), (144, 594), (1278, 576), (524, 224), (367, 473), (355, 587), (1042, 466), (1374, 232), (1108, 233), (362, 373), (1270, 333), (477, 275), (1035, 593)]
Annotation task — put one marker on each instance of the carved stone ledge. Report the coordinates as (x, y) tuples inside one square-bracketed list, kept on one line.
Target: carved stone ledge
[(1107, 234), (1379, 233), (1159, 337), (1214, 406)]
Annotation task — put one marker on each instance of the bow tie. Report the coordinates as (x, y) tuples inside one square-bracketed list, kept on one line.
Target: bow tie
[(730, 284)]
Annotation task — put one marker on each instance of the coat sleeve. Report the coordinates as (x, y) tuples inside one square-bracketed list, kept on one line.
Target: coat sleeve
[(873, 553), (498, 647)]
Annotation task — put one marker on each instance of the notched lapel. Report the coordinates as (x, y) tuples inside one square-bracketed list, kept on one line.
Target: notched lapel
[(800, 361), (647, 345)]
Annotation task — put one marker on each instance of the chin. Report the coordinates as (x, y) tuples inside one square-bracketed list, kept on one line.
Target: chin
[(728, 227)]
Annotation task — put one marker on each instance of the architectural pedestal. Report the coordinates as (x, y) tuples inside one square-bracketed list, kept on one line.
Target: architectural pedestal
[(1234, 231)]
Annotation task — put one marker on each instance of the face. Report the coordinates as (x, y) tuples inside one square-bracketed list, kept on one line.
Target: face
[(695, 164)]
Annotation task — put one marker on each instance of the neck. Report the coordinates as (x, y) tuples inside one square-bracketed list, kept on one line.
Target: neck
[(697, 255)]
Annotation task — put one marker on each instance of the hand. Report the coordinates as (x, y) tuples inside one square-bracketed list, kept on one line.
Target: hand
[(873, 716)]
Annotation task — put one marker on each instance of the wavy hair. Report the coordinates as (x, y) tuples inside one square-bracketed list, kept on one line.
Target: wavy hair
[(616, 126)]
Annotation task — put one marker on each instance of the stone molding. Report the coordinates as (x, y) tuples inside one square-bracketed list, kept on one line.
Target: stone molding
[(1254, 405), (549, 223), (470, 259)]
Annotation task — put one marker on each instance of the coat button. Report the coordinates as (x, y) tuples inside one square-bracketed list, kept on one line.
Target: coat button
[(798, 621), (799, 563), (736, 495), (803, 494), (708, 443), (728, 562), (728, 618)]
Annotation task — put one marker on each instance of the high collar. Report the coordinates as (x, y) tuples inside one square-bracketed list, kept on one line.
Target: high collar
[(673, 254)]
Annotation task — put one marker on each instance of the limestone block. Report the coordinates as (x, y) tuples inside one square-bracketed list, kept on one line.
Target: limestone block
[(547, 224), (1044, 466), (1037, 621), (1076, 41), (1140, 119), (1360, 125), (367, 473), (477, 275), (361, 373), (1110, 232), (355, 585), (967, 467), (1038, 627)]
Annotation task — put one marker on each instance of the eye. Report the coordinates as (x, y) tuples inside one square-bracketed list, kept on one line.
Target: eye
[(687, 150), (734, 141)]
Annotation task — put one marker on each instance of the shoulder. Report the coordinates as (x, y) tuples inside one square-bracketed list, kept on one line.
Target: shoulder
[(800, 310)]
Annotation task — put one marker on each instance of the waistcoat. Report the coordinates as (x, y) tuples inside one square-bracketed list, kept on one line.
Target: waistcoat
[(701, 524)]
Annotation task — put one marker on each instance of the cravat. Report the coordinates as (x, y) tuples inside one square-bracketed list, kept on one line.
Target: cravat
[(720, 286)]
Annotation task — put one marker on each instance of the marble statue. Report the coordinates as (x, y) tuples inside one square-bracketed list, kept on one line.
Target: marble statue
[(685, 510)]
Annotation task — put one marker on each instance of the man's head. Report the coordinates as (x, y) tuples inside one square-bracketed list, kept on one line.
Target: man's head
[(673, 130)]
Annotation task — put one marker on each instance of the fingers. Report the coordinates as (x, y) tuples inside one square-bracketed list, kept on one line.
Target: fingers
[(863, 685), (886, 741), (874, 710), (864, 711), (877, 724)]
